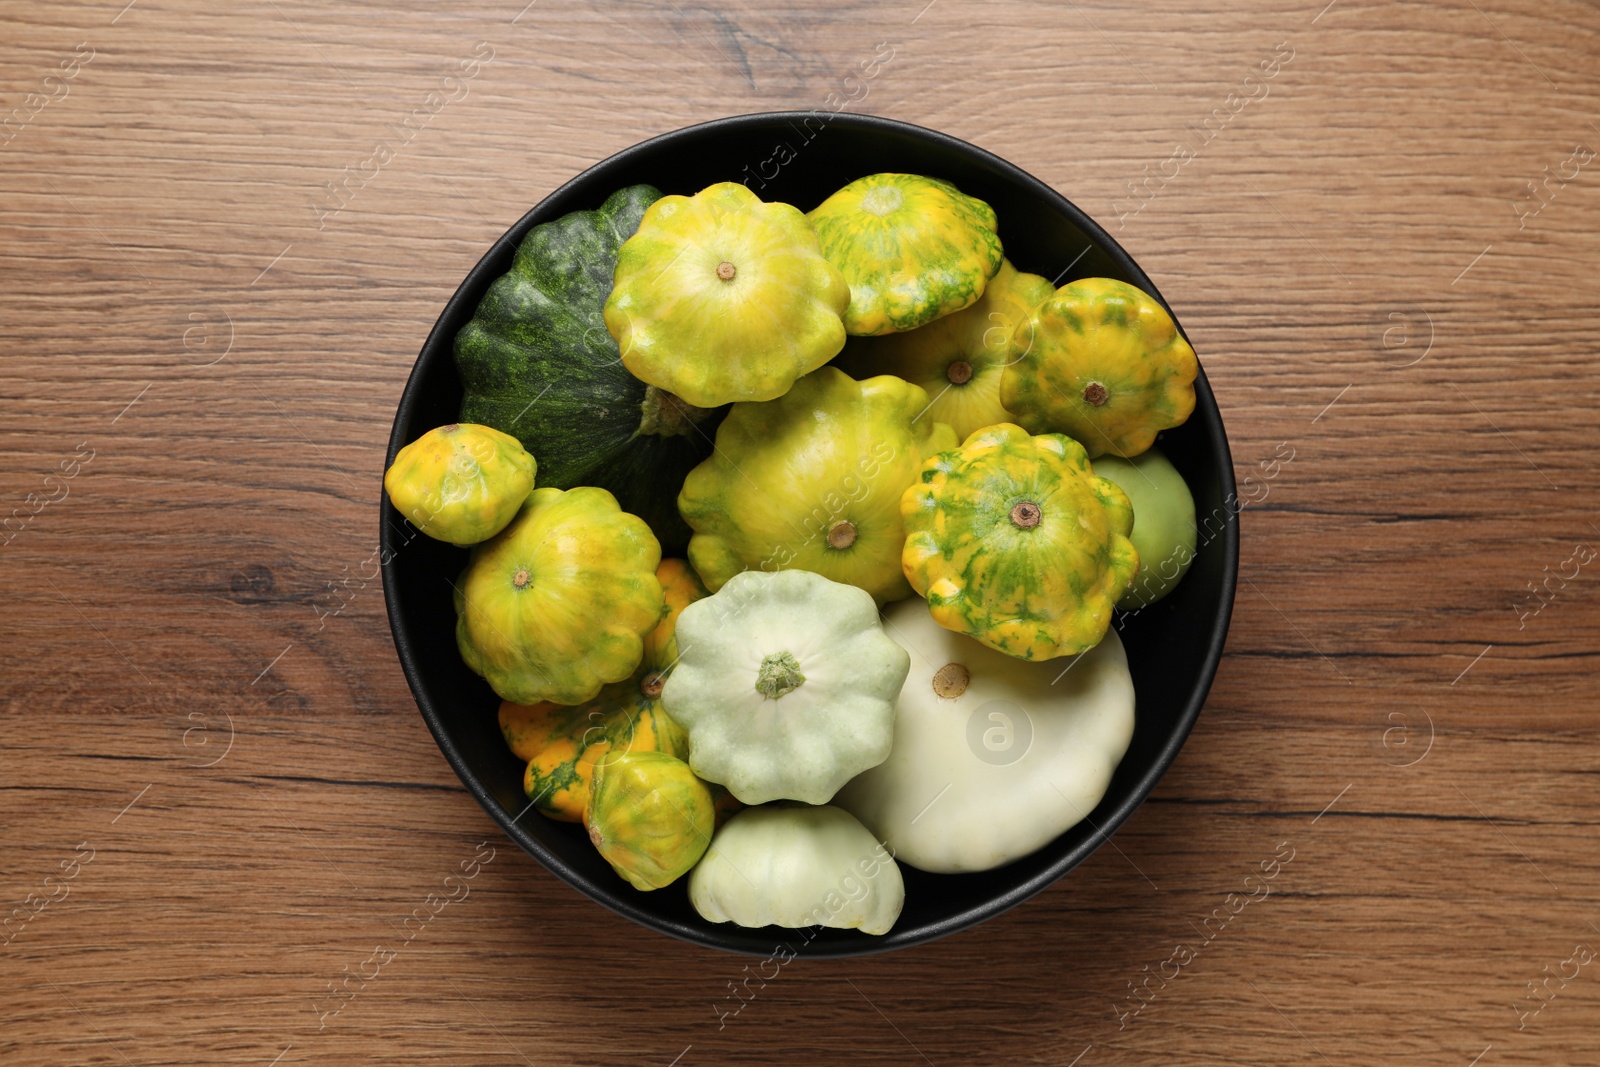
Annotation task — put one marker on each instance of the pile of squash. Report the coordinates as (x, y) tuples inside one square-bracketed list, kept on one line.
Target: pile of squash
[(900, 487)]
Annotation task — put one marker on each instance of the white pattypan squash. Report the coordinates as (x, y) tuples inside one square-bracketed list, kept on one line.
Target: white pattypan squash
[(785, 684), (993, 756), (797, 866)]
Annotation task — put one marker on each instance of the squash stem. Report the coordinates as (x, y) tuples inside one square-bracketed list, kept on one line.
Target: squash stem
[(779, 674), (668, 414), (951, 680), (1026, 515)]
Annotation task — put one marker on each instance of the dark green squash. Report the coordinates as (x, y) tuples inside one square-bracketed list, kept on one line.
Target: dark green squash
[(537, 362)]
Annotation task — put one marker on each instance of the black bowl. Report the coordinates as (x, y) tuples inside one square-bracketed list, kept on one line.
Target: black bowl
[(800, 158)]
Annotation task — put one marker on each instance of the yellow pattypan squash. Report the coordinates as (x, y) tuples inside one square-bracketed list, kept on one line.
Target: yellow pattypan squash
[(561, 744), (1014, 540), (960, 358), (650, 817), (557, 604), (460, 483), (912, 249), (720, 297), (812, 481), (1104, 363)]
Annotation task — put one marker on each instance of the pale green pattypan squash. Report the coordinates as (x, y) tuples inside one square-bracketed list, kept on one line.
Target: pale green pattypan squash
[(785, 683), (795, 866), (1163, 523), (720, 297), (993, 758)]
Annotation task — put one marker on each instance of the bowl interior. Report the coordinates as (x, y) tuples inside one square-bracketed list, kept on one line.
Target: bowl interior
[(800, 158)]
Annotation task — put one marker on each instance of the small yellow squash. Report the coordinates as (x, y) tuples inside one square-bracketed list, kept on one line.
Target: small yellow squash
[(1104, 363), (461, 483), (649, 816)]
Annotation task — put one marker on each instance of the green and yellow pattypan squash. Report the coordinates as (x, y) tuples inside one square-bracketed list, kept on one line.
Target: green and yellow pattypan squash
[(1163, 523), (786, 685), (812, 481), (460, 483), (1014, 540), (796, 866), (562, 743), (649, 816), (1102, 362), (721, 297), (960, 358), (536, 362), (912, 249), (558, 603), (992, 758)]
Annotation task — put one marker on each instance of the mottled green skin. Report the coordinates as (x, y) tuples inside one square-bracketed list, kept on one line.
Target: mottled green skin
[(1034, 592), (649, 816), (1100, 331), (912, 248), (536, 362), (462, 484), (558, 604)]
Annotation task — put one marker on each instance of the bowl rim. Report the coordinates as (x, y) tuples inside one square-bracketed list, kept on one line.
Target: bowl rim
[(471, 288)]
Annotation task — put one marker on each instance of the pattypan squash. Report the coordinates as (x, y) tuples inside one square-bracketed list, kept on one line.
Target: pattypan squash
[(561, 743), (649, 816), (1102, 362), (721, 297), (992, 758), (536, 362), (796, 866), (557, 604), (786, 683), (1014, 540), (1163, 523), (460, 483), (812, 481), (912, 249), (960, 358)]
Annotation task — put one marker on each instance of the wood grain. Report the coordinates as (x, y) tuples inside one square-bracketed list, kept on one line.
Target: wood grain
[(263, 805)]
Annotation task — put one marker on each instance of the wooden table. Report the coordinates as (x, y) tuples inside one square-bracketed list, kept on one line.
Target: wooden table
[(1376, 221)]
